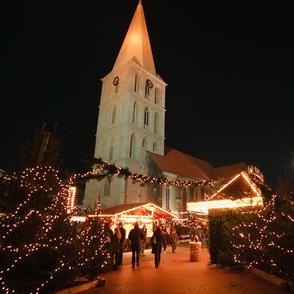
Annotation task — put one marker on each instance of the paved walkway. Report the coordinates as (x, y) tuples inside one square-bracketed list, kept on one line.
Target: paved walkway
[(177, 274)]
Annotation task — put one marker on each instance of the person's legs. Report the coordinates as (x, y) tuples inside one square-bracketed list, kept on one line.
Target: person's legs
[(174, 245), (120, 255), (138, 255), (133, 256), (156, 259), (116, 259), (142, 249)]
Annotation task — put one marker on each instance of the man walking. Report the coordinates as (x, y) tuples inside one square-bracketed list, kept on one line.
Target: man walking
[(143, 244), (136, 236), (121, 243), (157, 242)]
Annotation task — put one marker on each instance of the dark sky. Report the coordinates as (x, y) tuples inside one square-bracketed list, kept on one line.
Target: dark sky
[(229, 66)]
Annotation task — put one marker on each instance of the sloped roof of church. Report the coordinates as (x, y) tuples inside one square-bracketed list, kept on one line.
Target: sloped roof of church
[(185, 165), (136, 43)]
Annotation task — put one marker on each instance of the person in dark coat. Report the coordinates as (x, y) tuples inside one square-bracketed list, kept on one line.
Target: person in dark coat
[(136, 236), (121, 243), (157, 242), (116, 247), (143, 244)]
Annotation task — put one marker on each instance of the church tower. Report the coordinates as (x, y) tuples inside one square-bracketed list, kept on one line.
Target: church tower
[(131, 117)]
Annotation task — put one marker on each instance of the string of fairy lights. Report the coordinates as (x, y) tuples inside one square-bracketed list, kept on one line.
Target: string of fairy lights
[(104, 169), (254, 239), (47, 217), (38, 179)]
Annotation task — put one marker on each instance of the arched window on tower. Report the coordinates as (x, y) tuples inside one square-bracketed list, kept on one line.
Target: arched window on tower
[(135, 112), (154, 148), (157, 96), (144, 143), (146, 117), (113, 115), (133, 147), (156, 123), (136, 85)]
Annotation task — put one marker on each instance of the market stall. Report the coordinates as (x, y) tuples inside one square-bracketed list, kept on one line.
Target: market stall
[(142, 213)]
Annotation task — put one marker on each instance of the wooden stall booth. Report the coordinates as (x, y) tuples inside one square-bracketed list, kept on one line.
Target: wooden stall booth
[(142, 213)]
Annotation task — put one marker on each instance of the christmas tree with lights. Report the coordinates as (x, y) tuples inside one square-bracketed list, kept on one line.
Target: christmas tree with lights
[(93, 255), (41, 249), (36, 234)]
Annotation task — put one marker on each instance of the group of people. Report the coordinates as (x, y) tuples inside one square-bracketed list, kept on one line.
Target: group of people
[(116, 243), (198, 232), (137, 237)]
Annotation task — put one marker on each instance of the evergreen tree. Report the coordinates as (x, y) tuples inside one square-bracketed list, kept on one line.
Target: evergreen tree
[(40, 250), (94, 257), (37, 246)]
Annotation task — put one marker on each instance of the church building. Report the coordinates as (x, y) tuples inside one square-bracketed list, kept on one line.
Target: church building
[(131, 133)]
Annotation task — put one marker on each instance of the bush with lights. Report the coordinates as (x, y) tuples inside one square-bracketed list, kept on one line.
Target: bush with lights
[(260, 237)]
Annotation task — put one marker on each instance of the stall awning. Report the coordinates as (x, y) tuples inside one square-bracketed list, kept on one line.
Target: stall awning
[(138, 209)]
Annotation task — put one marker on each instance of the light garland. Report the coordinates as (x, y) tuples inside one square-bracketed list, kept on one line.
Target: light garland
[(259, 238), (34, 182)]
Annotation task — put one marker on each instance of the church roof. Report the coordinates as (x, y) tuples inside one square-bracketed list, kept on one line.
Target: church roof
[(185, 165), (136, 43)]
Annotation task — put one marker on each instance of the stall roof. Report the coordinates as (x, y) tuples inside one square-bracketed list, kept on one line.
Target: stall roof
[(132, 208)]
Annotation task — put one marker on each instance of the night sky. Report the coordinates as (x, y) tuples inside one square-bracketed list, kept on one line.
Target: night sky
[(229, 66)]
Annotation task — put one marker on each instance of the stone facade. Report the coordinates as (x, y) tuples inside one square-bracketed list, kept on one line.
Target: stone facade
[(131, 118), (131, 133)]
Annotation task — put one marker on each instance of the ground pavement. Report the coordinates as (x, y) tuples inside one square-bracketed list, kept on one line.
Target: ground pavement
[(176, 274)]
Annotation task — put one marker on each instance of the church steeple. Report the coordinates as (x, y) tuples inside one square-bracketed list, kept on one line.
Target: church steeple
[(136, 43)]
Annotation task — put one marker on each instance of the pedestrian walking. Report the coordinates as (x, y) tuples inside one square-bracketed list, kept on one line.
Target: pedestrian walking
[(157, 242), (116, 247), (174, 239), (165, 237), (143, 244), (121, 243), (135, 236)]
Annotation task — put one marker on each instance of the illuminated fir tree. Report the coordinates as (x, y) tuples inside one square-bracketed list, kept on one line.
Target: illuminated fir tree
[(94, 257), (36, 239), (36, 236)]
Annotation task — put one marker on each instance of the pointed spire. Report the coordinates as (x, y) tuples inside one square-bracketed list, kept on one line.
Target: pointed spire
[(136, 43)]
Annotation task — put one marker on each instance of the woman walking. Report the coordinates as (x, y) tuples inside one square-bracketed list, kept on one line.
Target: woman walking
[(174, 239), (157, 241)]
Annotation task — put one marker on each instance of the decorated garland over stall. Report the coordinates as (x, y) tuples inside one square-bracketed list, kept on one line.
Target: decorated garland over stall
[(104, 169)]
